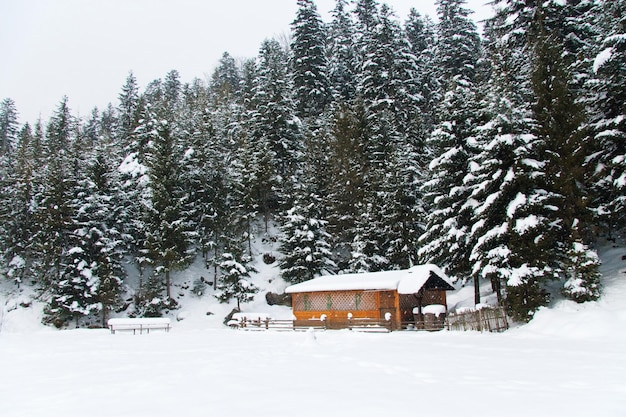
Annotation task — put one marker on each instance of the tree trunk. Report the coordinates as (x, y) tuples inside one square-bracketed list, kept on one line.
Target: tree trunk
[(249, 236), (168, 283), (215, 268), (496, 286), (476, 290)]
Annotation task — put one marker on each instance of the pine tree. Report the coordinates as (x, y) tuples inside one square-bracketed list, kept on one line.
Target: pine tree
[(348, 167), (366, 12), (342, 54), (168, 235), (8, 141), (135, 187), (8, 126), (128, 109), (225, 81), (89, 271), (420, 32), (608, 115), (309, 63), (275, 128), (17, 213), (91, 129), (458, 45), (104, 212), (242, 193), (171, 94), (305, 242), (445, 241), (542, 189), (559, 121), (196, 169), (53, 215), (503, 176), (377, 77), (401, 212), (235, 282), (368, 252)]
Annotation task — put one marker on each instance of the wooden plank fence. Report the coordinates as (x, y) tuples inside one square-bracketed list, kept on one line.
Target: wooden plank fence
[(364, 325), (486, 319)]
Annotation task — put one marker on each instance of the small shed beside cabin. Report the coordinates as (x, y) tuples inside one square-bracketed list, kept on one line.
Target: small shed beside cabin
[(397, 297)]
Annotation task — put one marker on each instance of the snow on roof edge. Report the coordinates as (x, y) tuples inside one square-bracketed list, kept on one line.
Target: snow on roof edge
[(405, 281)]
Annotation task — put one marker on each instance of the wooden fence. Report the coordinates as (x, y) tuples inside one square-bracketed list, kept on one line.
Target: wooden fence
[(365, 325), (486, 319)]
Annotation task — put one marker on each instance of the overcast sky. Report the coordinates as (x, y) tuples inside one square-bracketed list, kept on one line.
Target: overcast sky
[(85, 48)]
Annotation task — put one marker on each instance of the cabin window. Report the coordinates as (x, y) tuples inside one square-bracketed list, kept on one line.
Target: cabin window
[(307, 302), (329, 302), (347, 301)]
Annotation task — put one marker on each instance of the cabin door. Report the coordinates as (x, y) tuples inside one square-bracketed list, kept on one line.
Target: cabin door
[(388, 305)]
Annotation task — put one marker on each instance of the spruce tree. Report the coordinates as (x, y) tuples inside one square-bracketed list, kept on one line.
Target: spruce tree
[(401, 212), (235, 267), (8, 126), (128, 109), (53, 214), (342, 61), (309, 66), (305, 242), (559, 125), (420, 32), (167, 236), (458, 42), (225, 81), (445, 241), (368, 251), (348, 167), (608, 116), (502, 176), (275, 128), (17, 213)]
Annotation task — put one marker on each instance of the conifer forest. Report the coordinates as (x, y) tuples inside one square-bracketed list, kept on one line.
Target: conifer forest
[(369, 142)]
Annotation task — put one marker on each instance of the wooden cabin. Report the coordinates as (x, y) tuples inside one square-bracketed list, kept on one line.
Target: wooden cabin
[(395, 297)]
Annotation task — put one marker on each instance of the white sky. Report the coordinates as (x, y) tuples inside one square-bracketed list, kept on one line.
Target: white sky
[(85, 48)]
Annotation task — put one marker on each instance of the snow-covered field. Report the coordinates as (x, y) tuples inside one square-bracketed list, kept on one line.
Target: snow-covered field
[(569, 361)]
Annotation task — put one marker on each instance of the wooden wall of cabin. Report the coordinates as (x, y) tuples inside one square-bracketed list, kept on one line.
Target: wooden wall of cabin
[(337, 304), (434, 297)]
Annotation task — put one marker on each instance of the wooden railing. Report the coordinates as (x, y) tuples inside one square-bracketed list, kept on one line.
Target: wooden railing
[(487, 319), (358, 324)]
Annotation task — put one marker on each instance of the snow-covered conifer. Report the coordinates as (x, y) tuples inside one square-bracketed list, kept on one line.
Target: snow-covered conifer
[(235, 282), (309, 61), (342, 61), (608, 115)]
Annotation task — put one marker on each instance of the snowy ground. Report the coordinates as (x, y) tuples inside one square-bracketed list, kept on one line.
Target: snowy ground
[(569, 361)]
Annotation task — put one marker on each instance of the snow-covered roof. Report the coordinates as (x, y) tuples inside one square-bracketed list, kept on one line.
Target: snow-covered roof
[(405, 281)]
